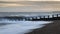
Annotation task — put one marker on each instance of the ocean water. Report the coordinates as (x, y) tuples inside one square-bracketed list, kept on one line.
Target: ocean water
[(19, 27)]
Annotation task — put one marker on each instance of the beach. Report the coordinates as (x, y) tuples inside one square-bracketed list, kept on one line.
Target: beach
[(51, 28)]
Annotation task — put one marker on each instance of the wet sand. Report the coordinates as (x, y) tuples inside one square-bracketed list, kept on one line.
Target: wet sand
[(52, 28)]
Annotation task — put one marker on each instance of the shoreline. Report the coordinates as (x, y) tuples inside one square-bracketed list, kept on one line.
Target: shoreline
[(51, 28)]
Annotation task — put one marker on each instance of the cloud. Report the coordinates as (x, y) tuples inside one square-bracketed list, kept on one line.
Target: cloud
[(30, 7), (12, 5)]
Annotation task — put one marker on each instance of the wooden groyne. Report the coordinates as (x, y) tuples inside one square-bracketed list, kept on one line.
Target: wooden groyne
[(43, 18), (34, 18)]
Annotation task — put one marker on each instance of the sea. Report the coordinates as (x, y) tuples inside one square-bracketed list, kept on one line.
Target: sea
[(20, 27)]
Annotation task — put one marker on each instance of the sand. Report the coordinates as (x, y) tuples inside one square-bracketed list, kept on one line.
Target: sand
[(52, 28)]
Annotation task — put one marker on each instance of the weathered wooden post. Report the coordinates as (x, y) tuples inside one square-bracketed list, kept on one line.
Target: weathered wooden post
[(40, 17), (53, 17), (57, 15), (48, 16), (44, 17)]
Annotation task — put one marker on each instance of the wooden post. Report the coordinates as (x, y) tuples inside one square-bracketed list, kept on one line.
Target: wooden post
[(40, 17), (48, 16), (44, 17), (52, 16), (57, 15), (36, 18)]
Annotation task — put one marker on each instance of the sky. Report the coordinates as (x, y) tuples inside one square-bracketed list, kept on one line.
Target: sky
[(29, 0), (32, 6)]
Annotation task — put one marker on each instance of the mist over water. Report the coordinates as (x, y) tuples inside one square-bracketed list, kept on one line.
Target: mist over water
[(19, 27)]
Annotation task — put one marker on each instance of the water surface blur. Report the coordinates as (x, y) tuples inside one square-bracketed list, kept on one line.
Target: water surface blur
[(20, 27)]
